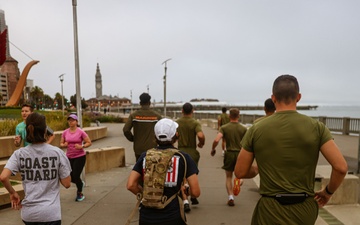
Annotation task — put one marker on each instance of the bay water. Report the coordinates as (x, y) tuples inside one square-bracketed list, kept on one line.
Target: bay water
[(321, 110)]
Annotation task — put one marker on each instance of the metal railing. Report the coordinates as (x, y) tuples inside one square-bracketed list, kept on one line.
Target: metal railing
[(343, 125)]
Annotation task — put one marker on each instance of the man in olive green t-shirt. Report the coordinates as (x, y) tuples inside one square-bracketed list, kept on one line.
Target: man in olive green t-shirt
[(286, 147), (189, 129), (269, 108), (222, 120), (233, 133)]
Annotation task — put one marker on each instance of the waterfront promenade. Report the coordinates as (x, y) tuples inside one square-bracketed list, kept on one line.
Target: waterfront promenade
[(108, 202)]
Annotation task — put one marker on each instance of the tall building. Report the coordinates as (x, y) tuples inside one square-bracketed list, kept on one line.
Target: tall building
[(9, 71), (2, 20), (98, 82)]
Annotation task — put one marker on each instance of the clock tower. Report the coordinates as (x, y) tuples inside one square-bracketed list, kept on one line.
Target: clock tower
[(98, 82)]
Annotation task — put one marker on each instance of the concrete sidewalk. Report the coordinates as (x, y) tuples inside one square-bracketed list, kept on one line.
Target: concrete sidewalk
[(108, 202)]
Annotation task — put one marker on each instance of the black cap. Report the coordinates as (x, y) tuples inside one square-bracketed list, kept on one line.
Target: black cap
[(144, 98)]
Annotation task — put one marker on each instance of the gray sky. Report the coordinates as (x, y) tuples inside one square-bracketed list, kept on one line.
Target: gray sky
[(231, 50)]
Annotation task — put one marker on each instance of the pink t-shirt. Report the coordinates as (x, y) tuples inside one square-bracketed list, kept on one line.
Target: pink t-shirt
[(76, 137)]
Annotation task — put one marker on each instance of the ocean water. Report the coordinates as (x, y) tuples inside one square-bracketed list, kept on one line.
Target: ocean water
[(334, 111), (326, 110)]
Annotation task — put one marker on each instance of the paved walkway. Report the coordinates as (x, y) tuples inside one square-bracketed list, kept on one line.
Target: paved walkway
[(108, 202)]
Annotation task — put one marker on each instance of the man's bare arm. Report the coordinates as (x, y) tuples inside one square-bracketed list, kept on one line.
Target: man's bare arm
[(244, 167), (201, 138), (339, 169)]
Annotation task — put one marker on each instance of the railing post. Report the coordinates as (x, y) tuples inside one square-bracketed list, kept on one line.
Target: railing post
[(322, 119), (358, 169), (346, 125)]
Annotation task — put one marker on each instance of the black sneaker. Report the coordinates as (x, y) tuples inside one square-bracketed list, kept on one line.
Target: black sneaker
[(187, 207), (194, 201)]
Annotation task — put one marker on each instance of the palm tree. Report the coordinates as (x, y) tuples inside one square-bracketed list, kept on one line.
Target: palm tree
[(36, 95)]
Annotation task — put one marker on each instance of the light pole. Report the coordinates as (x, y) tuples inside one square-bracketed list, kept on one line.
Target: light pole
[(131, 101), (165, 68), (62, 93), (77, 68), (77, 73)]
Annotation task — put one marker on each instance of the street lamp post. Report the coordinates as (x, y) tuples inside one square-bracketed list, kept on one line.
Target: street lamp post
[(131, 101), (165, 68), (62, 92), (77, 68), (77, 72)]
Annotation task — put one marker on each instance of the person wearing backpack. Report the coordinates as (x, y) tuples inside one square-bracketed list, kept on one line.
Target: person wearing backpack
[(179, 167)]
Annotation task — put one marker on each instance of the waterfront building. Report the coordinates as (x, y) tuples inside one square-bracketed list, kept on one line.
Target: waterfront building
[(108, 102), (9, 70)]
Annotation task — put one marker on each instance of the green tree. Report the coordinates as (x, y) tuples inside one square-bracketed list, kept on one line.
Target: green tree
[(48, 101), (58, 100), (73, 102), (36, 95)]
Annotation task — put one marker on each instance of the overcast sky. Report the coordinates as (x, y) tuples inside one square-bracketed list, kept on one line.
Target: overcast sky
[(231, 50)]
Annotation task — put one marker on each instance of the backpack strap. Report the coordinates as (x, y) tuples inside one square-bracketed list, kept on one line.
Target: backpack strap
[(180, 200), (136, 208), (185, 166)]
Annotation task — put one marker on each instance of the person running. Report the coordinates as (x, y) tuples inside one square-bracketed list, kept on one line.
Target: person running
[(269, 108), (232, 132), (42, 167), (286, 147), (75, 140), (20, 130), (189, 129), (142, 122), (222, 120), (165, 133)]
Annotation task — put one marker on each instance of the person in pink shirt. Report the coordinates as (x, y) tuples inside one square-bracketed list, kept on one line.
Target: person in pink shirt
[(75, 140)]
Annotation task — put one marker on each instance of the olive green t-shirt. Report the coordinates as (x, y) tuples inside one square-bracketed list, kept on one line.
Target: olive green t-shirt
[(188, 129), (286, 148), (233, 133), (224, 118)]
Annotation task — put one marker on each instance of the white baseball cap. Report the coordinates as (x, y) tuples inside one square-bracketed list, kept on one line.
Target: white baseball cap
[(165, 129)]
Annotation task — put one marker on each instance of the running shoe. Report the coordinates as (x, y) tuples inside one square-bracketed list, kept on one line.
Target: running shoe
[(79, 197), (194, 201), (231, 202), (187, 207), (237, 188)]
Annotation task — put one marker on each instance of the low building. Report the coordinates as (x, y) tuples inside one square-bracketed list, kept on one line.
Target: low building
[(107, 102)]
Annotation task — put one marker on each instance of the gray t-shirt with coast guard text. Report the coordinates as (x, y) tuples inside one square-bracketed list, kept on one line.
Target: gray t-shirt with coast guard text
[(41, 167)]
